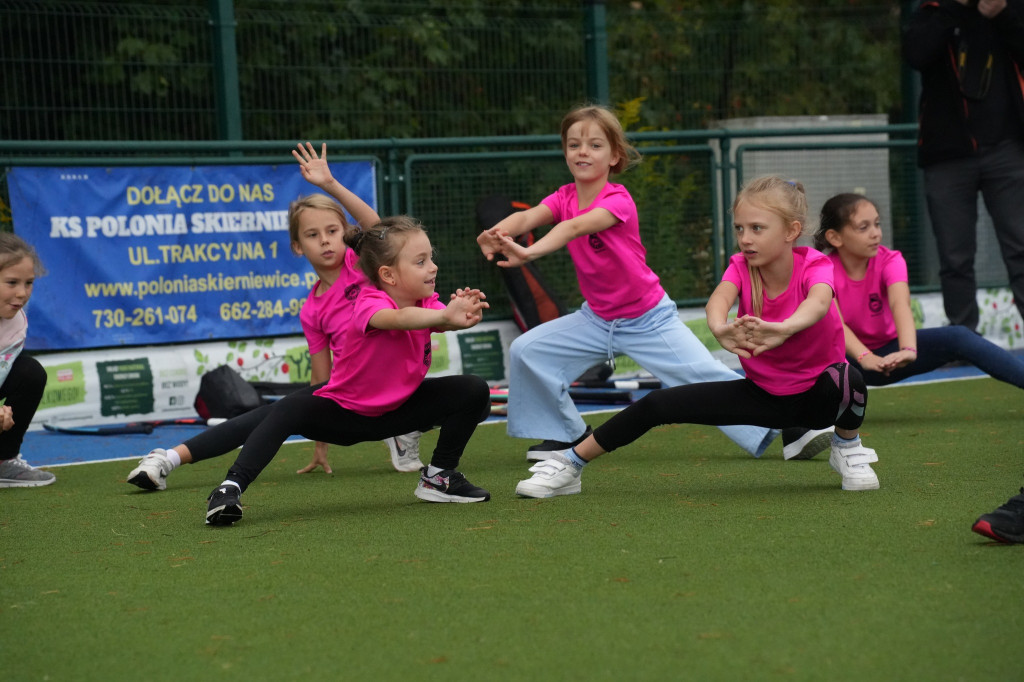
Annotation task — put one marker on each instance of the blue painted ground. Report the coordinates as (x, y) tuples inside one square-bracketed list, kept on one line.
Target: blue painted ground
[(45, 448)]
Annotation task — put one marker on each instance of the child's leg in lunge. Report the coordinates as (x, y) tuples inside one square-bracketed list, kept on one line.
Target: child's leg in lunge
[(842, 386), (457, 404), (714, 403), (660, 343)]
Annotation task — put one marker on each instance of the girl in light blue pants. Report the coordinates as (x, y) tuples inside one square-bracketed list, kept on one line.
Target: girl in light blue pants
[(547, 358)]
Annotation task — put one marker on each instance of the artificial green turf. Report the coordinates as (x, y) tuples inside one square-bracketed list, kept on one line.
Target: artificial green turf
[(682, 559)]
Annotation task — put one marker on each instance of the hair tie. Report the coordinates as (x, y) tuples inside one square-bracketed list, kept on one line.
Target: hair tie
[(867, 352), (910, 348)]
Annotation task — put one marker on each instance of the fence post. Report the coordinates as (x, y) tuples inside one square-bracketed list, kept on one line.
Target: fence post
[(225, 55), (596, 49)]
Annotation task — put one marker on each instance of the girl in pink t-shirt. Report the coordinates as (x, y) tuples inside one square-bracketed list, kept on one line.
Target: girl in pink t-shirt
[(788, 335), (22, 377), (377, 388), (873, 294), (316, 225), (626, 310)]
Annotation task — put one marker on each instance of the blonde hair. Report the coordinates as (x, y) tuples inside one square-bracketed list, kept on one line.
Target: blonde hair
[(13, 249), (320, 201), (609, 124), (380, 245), (786, 199)]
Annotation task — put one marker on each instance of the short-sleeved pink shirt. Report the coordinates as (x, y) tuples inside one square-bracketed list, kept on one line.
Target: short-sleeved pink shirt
[(611, 265), (324, 316), (865, 302), (794, 366), (378, 369)]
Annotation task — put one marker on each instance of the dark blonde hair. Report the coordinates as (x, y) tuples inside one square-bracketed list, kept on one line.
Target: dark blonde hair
[(320, 201), (609, 124), (379, 245), (835, 215), (13, 249), (784, 198)]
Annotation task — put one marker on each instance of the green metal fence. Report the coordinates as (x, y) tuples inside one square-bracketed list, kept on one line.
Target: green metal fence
[(683, 189)]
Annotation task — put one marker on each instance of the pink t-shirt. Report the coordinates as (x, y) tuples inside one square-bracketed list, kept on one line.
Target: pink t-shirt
[(378, 369), (794, 366), (12, 340), (865, 302), (611, 265), (324, 317)]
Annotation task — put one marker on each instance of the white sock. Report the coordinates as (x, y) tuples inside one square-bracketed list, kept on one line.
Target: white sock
[(845, 441), (433, 470), (174, 457), (227, 482)]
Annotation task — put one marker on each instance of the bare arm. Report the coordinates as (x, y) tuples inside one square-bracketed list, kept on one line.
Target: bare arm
[(465, 310), (319, 372), (767, 335), (316, 171), (731, 335), (514, 225), (561, 234)]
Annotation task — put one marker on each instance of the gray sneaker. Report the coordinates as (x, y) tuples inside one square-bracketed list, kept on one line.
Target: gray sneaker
[(17, 473), (405, 451), (151, 473)]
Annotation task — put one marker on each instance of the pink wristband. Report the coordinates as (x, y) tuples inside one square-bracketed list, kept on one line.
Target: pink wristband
[(867, 352), (910, 348)]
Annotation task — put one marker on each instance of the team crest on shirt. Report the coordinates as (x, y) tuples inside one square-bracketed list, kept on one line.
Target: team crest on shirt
[(426, 354), (875, 304), (352, 291), (595, 242)]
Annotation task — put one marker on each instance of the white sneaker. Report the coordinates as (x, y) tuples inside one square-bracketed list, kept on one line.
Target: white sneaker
[(805, 443), (852, 461), (151, 473), (550, 477), (405, 451)]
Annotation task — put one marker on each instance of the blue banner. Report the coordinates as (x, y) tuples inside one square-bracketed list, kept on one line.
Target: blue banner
[(149, 255)]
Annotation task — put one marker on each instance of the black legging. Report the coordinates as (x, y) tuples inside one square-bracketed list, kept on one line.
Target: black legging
[(225, 437), (23, 390), (838, 398), (454, 403)]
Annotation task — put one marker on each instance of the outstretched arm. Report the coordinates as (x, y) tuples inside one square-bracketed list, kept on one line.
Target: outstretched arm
[(561, 234), (731, 335), (463, 311), (513, 225), (320, 371), (316, 171), (767, 335)]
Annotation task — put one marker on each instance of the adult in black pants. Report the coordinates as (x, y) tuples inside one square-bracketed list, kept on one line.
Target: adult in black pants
[(970, 54)]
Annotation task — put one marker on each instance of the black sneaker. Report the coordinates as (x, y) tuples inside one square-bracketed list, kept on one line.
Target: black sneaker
[(448, 485), (225, 505), (1005, 524), (543, 451)]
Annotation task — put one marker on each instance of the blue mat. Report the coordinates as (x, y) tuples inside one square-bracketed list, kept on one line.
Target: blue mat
[(46, 448)]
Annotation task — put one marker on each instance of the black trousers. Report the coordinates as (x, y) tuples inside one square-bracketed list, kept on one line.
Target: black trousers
[(838, 397), (456, 404), (23, 389)]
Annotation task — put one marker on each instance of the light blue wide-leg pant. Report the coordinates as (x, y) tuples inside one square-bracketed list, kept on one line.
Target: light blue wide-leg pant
[(546, 359)]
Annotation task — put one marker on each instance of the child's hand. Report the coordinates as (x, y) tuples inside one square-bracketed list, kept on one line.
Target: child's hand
[(732, 336), (319, 460), (490, 242), (314, 169), (465, 309), (763, 335), (897, 359), (6, 418), (516, 254), (874, 363)]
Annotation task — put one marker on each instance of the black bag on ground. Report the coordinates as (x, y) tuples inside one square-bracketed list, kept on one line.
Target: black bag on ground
[(223, 393)]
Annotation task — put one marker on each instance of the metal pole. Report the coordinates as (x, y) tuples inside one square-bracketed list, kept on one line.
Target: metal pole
[(596, 48), (225, 56)]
